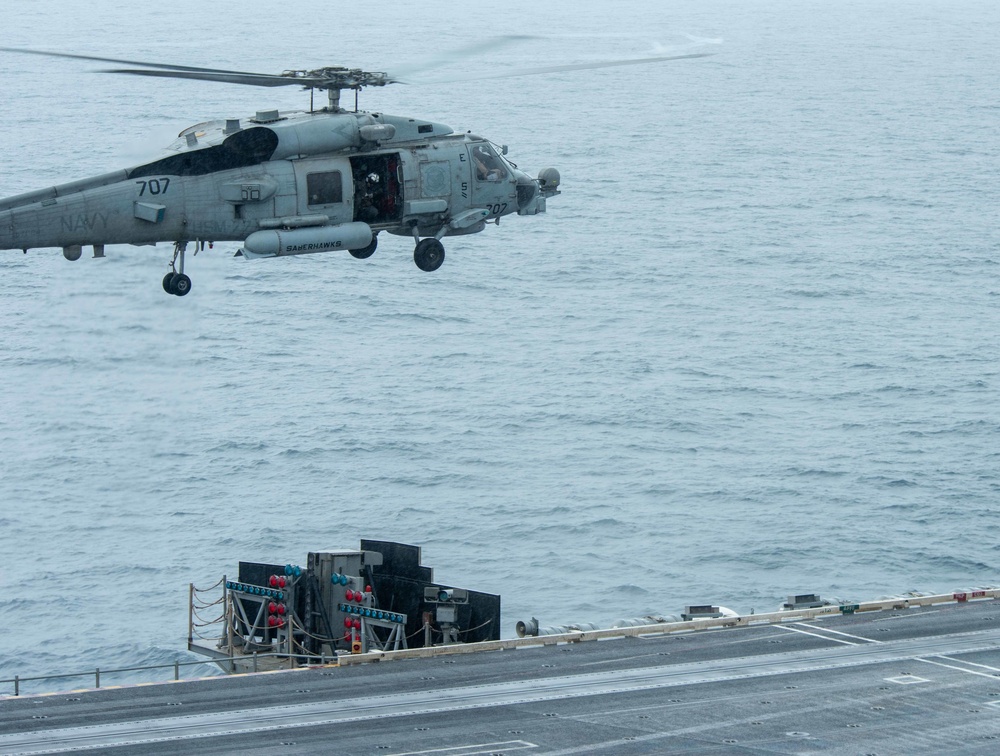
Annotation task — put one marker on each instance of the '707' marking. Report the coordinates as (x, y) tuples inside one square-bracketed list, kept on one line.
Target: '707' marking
[(154, 186)]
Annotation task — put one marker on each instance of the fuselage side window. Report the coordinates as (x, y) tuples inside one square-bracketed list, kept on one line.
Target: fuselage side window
[(325, 188)]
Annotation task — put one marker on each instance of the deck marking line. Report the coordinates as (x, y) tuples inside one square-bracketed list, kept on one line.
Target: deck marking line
[(509, 745), (907, 679), (971, 664), (846, 635), (952, 666), (816, 635)]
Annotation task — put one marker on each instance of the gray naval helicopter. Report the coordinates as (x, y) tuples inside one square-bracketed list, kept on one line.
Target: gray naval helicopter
[(288, 183)]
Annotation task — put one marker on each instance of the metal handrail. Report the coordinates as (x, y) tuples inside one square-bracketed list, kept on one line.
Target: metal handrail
[(17, 679)]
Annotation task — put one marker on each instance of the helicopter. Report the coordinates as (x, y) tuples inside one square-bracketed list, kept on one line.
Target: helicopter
[(289, 183)]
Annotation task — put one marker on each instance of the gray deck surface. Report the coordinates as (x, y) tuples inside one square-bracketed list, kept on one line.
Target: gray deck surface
[(907, 681)]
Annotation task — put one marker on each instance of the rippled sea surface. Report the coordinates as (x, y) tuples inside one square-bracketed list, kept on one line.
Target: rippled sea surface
[(751, 350)]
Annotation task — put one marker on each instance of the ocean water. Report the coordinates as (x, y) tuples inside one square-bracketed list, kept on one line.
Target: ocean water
[(751, 350)]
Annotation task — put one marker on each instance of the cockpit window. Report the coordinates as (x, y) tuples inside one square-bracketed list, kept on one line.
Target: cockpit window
[(242, 149), (489, 167)]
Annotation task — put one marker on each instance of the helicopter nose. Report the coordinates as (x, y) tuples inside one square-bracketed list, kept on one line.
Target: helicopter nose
[(528, 191), (532, 193)]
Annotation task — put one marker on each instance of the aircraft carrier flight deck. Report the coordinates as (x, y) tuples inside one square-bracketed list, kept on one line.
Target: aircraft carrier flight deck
[(904, 674), (919, 680)]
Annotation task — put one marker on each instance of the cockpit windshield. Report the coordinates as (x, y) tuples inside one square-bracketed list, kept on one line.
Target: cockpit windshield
[(489, 166)]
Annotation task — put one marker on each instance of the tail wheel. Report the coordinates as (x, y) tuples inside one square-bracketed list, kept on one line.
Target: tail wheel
[(429, 254), (177, 284)]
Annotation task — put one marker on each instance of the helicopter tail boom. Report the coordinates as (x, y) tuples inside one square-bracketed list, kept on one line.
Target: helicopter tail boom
[(62, 190), (94, 211)]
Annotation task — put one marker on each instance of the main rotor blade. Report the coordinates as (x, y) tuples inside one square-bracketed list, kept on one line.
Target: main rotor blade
[(165, 66), (480, 47), (570, 67), (168, 70), (228, 77)]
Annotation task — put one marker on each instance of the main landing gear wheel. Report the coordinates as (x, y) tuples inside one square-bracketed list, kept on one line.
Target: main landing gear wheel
[(365, 252), (429, 254), (168, 282)]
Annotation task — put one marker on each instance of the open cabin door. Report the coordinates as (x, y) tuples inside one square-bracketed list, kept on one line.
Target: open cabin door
[(378, 188)]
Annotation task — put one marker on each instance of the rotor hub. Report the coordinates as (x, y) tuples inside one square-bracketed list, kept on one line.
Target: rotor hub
[(338, 77)]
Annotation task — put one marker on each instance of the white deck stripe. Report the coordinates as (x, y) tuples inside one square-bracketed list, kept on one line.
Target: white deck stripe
[(480, 748), (952, 666), (798, 629), (838, 632), (972, 664)]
